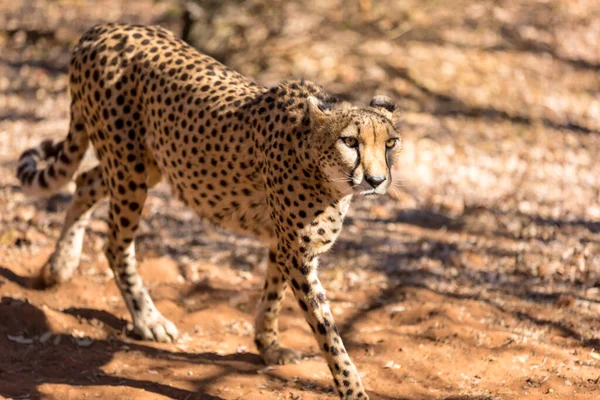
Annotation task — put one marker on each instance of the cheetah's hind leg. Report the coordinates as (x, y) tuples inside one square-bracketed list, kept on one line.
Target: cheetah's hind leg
[(126, 202), (65, 259)]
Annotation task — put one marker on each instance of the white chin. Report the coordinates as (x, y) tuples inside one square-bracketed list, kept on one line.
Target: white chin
[(364, 189), (369, 192)]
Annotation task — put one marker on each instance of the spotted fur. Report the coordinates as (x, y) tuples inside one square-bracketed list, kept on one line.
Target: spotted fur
[(280, 163)]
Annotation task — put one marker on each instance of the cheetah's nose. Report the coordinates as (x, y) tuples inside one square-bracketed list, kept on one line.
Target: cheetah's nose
[(375, 180)]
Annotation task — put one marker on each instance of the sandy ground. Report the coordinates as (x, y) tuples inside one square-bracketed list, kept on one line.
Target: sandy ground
[(479, 280)]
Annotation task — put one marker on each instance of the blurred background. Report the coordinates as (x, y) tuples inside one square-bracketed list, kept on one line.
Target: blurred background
[(479, 278)]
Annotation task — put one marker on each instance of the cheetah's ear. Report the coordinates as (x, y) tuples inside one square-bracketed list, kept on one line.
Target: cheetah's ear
[(384, 106), (317, 109)]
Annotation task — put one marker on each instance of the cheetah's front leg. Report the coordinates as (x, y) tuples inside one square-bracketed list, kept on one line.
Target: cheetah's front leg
[(301, 274), (266, 323)]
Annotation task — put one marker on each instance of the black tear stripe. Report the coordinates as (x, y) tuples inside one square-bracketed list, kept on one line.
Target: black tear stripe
[(355, 165), (357, 156), (374, 135), (387, 163), (387, 154)]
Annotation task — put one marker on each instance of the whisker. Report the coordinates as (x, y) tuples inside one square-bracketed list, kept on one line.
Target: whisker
[(396, 193)]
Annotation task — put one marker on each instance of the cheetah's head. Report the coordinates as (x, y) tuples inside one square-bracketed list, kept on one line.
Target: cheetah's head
[(356, 147)]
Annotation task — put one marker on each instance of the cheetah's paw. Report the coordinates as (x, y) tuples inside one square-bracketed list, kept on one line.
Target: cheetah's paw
[(158, 329)]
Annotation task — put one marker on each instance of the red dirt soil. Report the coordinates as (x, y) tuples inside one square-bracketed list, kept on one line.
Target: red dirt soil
[(479, 279)]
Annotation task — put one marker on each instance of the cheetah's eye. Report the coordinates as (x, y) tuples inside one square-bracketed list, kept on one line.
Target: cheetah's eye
[(391, 143), (350, 141)]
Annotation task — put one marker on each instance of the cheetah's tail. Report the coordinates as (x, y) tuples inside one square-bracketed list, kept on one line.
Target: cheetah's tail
[(63, 159)]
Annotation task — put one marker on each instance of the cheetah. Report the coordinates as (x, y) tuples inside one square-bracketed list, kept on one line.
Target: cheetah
[(280, 163)]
